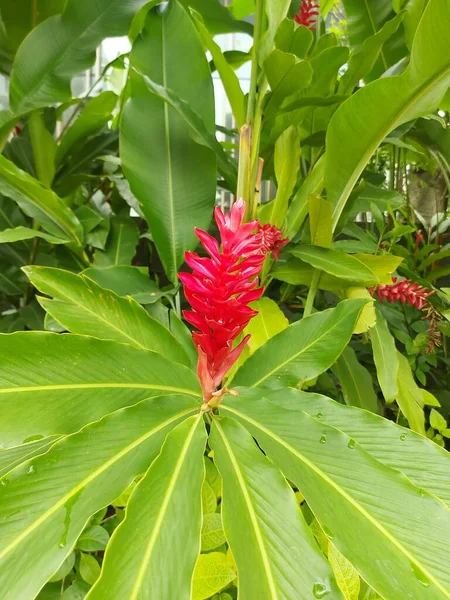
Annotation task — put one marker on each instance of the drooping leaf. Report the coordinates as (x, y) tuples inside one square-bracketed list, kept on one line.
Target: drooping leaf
[(318, 458), (25, 233), (168, 495), (37, 202), (83, 307), (63, 46), (126, 280), (218, 19), (263, 524), (77, 477), (175, 178), (303, 350), (425, 463), (60, 376), (356, 381), (298, 209), (385, 357), (409, 396), (366, 118), (346, 576)]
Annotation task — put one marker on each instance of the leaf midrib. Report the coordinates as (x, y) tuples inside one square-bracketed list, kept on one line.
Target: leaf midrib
[(348, 269), (106, 385), (87, 480), (342, 492), (251, 512), (163, 510)]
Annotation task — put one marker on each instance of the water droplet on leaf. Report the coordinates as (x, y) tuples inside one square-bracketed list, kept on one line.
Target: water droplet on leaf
[(403, 437), (351, 444), (31, 470), (323, 439), (419, 575), (319, 415), (320, 590), (4, 483)]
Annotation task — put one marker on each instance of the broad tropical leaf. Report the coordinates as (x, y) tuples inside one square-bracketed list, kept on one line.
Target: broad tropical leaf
[(63, 46), (18, 234), (11, 457), (165, 508), (126, 280), (83, 307), (360, 125), (404, 548), (303, 350), (57, 492), (263, 523), (385, 357), (51, 383), (356, 381), (172, 176), (38, 202), (425, 463)]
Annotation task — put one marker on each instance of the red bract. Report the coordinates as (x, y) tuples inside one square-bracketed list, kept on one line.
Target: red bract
[(220, 288), (307, 14), (404, 291)]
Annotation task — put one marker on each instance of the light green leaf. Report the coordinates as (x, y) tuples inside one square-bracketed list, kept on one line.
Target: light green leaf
[(65, 491), (413, 13), (60, 376), (385, 357), (63, 46), (409, 396), (83, 307), (89, 568), (38, 202), (169, 494), (93, 538), (336, 263), (346, 576), (121, 243), (25, 233), (64, 569), (212, 573), (356, 381), (303, 350), (437, 421), (269, 321), (293, 39), (14, 456), (286, 76), (213, 535), (91, 121), (298, 209), (44, 148), (320, 224), (360, 124), (209, 500), (367, 317), (343, 484), (126, 280), (263, 524), (276, 11), (218, 18), (175, 178)]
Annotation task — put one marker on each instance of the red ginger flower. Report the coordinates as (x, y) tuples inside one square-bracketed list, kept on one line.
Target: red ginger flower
[(308, 14), (220, 288), (404, 291)]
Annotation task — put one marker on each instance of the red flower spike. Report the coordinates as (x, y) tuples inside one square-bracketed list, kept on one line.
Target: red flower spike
[(308, 14), (220, 288), (404, 291)]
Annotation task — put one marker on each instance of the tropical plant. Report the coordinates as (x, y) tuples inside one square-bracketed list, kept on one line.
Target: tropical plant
[(282, 450)]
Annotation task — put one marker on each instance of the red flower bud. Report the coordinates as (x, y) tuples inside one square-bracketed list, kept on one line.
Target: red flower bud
[(404, 291), (220, 288), (308, 14)]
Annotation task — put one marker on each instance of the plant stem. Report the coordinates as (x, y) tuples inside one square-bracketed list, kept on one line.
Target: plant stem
[(309, 305), (259, 12)]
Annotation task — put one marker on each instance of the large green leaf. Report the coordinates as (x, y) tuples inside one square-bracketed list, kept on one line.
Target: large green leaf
[(263, 524), (409, 396), (63, 46), (120, 245), (52, 496), (165, 508), (303, 350), (83, 307), (172, 176), (218, 19), (360, 125), (385, 357), (126, 280), (298, 209), (20, 233), (71, 380), (405, 547), (336, 263), (38, 202), (356, 381), (425, 463), (11, 457)]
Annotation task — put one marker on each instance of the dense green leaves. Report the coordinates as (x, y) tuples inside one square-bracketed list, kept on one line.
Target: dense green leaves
[(263, 524), (63, 46), (385, 357), (171, 175), (166, 510), (62, 375), (303, 350), (83, 307), (41, 204), (364, 120), (61, 489), (318, 458)]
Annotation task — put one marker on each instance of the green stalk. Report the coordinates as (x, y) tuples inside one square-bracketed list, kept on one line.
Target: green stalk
[(309, 305)]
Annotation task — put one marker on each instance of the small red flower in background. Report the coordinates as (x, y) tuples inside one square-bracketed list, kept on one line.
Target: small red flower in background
[(307, 14), (419, 239), (404, 291), (220, 288)]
